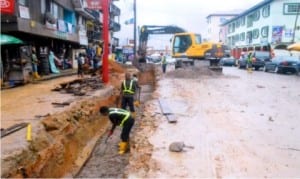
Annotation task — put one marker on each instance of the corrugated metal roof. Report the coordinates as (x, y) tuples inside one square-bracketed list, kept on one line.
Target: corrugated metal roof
[(257, 6)]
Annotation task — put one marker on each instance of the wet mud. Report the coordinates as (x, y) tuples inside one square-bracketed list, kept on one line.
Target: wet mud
[(240, 124)]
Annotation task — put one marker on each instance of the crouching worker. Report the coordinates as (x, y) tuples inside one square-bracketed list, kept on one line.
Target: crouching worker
[(122, 118)]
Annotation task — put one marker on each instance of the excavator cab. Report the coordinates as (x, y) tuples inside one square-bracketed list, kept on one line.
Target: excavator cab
[(186, 45)]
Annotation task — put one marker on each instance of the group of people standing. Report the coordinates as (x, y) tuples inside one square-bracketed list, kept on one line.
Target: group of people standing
[(47, 62), (92, 57)]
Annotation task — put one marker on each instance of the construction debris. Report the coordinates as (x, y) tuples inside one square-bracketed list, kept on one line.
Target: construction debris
[(12, 129), (167, 111), (80, 87), (178, 147)]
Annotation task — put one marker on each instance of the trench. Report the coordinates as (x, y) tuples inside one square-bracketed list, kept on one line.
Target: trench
[(104, 161)]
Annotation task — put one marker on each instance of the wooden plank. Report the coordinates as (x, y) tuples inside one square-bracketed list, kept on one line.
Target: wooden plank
[(167, 111), (164, 107), (171, 118), (13, 129)]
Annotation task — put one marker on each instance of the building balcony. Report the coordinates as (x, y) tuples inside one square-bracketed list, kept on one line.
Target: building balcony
[(114, 10), (114, 26), (80, 7)]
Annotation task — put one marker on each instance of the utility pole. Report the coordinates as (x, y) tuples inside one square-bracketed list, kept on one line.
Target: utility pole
[(295, 26), (134, 30), (105, 37)]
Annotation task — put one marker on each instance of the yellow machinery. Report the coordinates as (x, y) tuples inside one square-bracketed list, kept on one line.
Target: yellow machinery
[(187, 47)]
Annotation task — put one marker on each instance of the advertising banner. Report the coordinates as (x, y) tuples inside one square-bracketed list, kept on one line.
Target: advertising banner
[(7, 6), (277, 34), (94, 4)]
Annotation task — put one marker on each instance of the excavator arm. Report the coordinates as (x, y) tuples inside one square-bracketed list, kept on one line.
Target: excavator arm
[(147, 30)]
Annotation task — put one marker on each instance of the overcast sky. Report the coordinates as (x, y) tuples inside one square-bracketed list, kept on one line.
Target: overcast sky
[(188, 14)]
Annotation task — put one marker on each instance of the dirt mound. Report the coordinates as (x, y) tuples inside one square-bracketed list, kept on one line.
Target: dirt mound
[(192, 72), (116, 67)]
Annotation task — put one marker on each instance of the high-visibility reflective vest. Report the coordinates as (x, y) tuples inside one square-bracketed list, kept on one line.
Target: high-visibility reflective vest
[(164, 60), (123, 112), (130, 89)]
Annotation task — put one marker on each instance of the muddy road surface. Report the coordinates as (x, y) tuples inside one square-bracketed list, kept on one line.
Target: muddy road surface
[(240, 125)]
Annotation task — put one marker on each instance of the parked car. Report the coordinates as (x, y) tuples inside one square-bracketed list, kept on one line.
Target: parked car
[(259, 58), (228, 61), (170, 59), (283, 64)]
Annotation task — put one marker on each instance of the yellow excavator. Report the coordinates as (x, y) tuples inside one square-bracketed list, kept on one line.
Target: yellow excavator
[(186, 46)]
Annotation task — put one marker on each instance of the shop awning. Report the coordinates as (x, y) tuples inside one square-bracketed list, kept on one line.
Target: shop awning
[(8, 40)]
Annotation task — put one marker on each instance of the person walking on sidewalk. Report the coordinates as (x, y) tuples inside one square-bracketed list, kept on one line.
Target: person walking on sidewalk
[(34, 63), (80, 61), (128, 89), (122, 118)]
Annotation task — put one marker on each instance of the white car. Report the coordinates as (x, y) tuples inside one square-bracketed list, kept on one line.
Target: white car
[(170, 60)]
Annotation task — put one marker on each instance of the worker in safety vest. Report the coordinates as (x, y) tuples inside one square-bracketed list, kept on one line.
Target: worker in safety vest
[(249, 62), (128, 89), (122, 118), (163, 62)]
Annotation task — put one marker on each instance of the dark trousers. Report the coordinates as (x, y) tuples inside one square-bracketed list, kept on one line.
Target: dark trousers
[(164, 68), (126, 129), (127, 100)]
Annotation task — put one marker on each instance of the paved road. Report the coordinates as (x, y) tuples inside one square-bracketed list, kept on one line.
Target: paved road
[(241, 125)]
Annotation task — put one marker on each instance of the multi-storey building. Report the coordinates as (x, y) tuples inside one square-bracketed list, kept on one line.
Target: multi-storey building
[(270, 23), (60, 25), (213, 25)]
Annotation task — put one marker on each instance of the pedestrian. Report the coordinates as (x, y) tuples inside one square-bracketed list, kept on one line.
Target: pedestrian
[(122, 118), (163, 62), (52, 59), (34, 63), (80, 61), (128, 89), (249, 62)]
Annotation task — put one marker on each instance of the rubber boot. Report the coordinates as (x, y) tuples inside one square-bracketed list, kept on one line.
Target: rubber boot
[(119, 144), (133, 114), (123, 147), (36, 75), (136, 103)]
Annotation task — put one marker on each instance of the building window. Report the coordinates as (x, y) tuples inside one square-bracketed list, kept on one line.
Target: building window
[(264, 31), (229, 28), (242, 36), (249, 37), (57, 11), (242, 21), (233, 27), (266, 11), (291, 8), (237, 37), (43, 6), (256, 15), (237, 23), (23, 2), (249, 20), (255, 33)]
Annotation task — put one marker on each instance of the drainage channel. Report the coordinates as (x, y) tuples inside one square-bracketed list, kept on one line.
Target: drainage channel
[(104, 161)]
